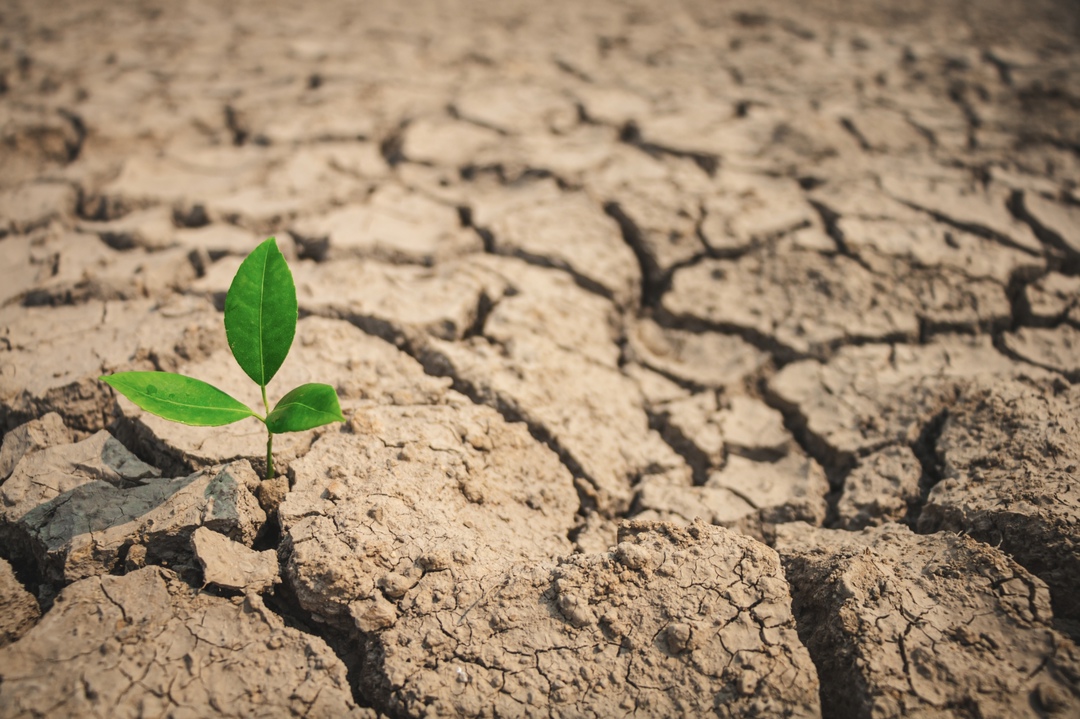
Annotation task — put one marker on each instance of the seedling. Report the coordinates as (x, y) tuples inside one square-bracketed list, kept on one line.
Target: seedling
[(260, 323)]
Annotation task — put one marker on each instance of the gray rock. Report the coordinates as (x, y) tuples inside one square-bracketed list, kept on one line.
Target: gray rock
[(672, 621), (232, 565), (179, 651), (19, 611), (58, 468), (79, 519), (910, 625), (28, 438)]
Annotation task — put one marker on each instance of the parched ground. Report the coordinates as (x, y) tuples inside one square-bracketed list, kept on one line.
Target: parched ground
[(699, 359)]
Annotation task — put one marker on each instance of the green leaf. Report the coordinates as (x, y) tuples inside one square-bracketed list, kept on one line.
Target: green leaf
[(260, 312), (179, 398), (307, 406)]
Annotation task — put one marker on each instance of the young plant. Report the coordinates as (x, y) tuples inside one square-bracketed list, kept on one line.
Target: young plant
[(260, 323)]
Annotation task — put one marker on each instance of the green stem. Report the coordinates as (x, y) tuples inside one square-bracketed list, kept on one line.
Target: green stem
[(269, 439), (269, 454)]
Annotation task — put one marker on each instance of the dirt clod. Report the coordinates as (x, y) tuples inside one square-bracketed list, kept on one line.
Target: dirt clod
[(911, 624), (692, 620)]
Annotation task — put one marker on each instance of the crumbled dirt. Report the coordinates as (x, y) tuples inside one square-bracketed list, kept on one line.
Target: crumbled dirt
[(615, 296)]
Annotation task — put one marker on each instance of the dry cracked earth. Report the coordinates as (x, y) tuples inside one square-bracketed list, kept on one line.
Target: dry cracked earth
[(699, 359)]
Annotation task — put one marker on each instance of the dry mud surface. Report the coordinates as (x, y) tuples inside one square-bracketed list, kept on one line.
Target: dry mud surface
[(699, 359)]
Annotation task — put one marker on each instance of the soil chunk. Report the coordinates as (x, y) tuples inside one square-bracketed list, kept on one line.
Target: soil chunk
[(232, 565), (29, 438), (909, 624), (1008, 454), (358, 520), (694, 620), (181, 650)]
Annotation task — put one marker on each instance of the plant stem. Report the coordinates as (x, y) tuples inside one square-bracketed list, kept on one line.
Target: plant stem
[(269, 439), (269, 454)]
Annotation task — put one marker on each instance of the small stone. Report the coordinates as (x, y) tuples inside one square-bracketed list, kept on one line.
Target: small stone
[(28, 438), (232, 565)]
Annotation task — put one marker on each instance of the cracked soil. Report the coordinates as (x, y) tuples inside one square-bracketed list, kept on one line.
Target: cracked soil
[(698, 359)]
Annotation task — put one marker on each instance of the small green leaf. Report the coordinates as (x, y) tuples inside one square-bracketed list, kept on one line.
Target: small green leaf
[(260, 312), (179, 398), (307, 406)]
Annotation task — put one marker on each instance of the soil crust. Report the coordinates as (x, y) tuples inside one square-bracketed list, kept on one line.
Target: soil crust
[(697, 359)]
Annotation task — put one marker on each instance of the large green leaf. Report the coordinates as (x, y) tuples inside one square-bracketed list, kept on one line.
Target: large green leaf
[(260, 312), (307, 406), (179, 398)]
